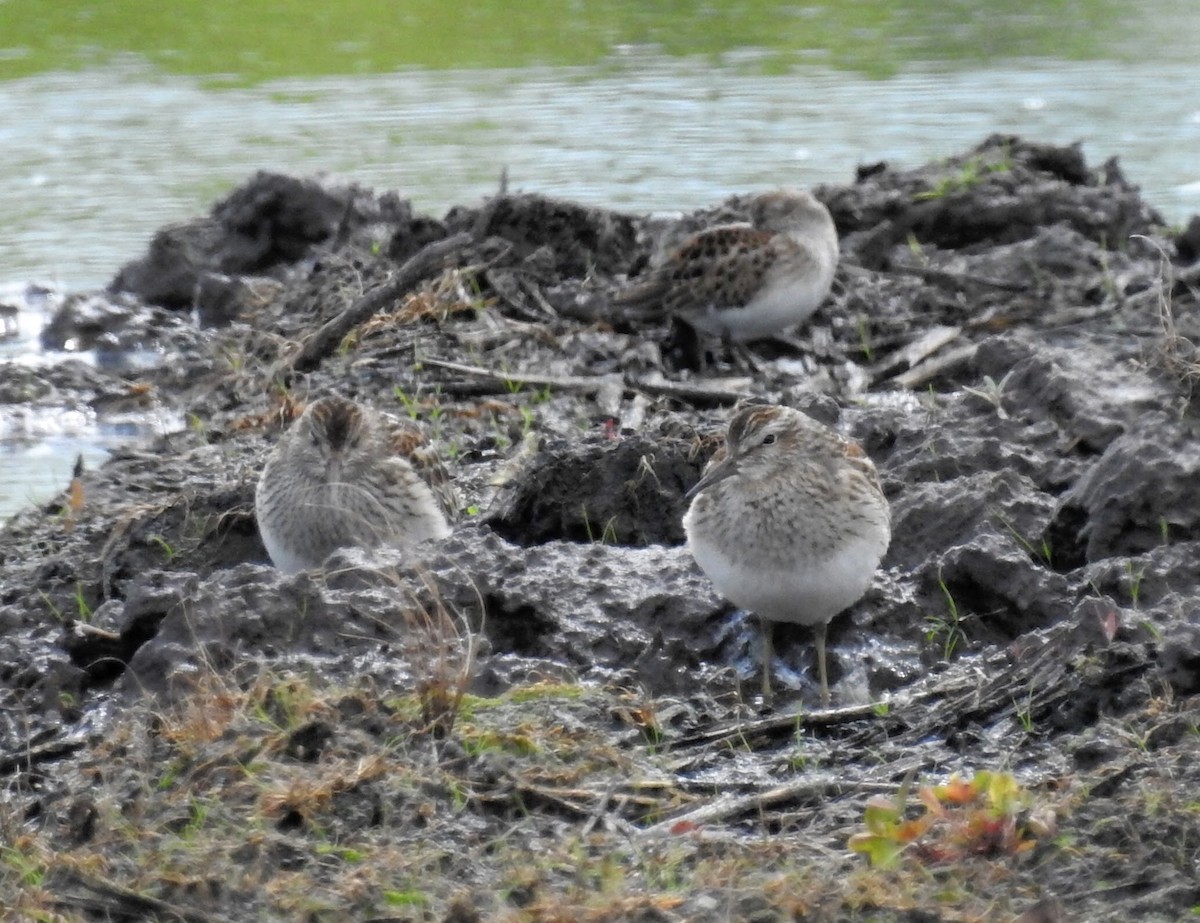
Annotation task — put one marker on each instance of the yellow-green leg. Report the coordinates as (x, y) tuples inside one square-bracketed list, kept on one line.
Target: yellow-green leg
[(819, 631), (768, 654)]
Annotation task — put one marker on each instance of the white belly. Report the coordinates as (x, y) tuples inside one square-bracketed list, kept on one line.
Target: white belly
[(782, 303), (282, 556), (809, 593)]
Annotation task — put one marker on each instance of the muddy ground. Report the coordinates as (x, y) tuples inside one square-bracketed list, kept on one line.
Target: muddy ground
[(553, 716)]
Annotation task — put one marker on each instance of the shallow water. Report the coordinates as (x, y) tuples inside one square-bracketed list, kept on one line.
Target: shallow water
[(97, 158), (95, 164)]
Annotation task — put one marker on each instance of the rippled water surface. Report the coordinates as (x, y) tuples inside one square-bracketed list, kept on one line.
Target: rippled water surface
[(102, 149), (94, 163)]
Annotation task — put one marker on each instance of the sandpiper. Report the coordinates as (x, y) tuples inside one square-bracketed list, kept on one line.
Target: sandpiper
[(747, 281), (335, 479), (789, 521)]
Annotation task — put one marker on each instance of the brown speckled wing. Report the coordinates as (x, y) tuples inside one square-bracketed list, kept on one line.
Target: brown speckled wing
[(721, 267), (409, 443)]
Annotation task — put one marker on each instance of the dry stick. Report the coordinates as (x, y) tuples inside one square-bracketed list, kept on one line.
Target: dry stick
[(916, 351), (584, 383), (31, 756), (730, 806), (107, 898), (773, 724), (956, 279), (900, 714), (692, 394), (326, 339), (599, 810), (929, 369), (592, 384)]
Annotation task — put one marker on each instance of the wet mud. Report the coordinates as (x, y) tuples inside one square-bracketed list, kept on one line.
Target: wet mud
[(1012, 337)]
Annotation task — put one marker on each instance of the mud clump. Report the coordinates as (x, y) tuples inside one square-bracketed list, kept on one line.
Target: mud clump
[(617, 488), (551, 714)]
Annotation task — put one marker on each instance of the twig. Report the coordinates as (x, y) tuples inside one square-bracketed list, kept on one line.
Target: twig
[(583, 383), (325, 340), (39, 753), (931, 368), (599, 809), (108, 899), (956, 279), (729, 806), (772, 725), (918, 350), (691, 393), (593, 384)]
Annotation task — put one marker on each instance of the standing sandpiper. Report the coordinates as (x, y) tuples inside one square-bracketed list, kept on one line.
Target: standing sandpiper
[(789, 521), (747, 281), (335, 479)]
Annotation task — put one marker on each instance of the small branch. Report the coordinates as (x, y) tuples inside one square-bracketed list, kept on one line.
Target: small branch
[(583, 383), (593, 384), (956, 280), (691, 393), (109, 899), (41, 753), (931, 368), (917, 351), (327, 338), (773, 725), (730, 806)]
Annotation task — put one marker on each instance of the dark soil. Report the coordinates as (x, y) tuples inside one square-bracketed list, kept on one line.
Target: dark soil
[(552, 715)]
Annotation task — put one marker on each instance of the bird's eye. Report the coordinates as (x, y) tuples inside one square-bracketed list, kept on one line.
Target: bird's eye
[(769, 439)]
